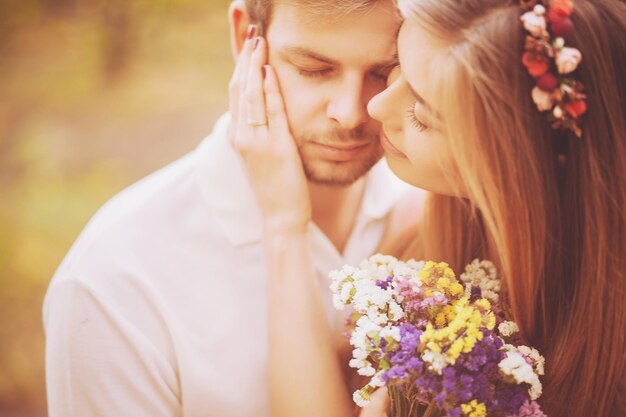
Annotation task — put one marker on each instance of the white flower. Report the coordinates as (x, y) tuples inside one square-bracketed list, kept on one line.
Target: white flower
[(396, 311), (534, 356), (339, 305), (359, 353), (559, 43), (542, 99), (567, 60), (507, 328), (392, 331), (515, 365), (436, 360), (358, 399), (348, 270), (415, 265), (557, 112), (366, 371), (539, 10), (482, 274), (533, 23), (346, 288), (357, 363), (377, 381)]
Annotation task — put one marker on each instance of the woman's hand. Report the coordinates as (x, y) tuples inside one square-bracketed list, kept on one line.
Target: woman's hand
[(260, 134)]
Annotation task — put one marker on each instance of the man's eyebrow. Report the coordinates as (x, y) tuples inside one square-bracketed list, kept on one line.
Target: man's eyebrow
[(392, 62), (307, 53)]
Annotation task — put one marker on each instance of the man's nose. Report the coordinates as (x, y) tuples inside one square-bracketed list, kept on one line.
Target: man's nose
[(348, 106)]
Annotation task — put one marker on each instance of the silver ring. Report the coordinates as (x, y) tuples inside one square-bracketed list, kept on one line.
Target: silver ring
[(257, 123)]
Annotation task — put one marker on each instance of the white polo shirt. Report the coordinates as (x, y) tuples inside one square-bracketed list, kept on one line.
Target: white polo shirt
[(159, 308)]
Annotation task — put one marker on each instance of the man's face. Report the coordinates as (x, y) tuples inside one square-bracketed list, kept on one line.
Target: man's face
[(328, 69)]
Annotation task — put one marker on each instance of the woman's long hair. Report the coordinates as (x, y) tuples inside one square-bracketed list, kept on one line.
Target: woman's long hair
[(557, 231)]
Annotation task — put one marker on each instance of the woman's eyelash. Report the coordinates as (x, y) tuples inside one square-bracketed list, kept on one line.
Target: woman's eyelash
[(414, 120)]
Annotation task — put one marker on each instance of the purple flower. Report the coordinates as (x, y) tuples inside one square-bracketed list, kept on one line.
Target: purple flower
[(384, 284), (405, 360), (454, 412), (475, 293)]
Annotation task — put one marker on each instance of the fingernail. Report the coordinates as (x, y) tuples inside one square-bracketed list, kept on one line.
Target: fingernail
[(264, 70), (256, 42), (251, 31)]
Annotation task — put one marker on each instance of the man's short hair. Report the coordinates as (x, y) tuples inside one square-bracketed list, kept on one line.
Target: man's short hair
[(260, 11)]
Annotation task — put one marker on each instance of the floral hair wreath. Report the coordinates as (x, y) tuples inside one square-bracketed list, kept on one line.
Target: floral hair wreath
[(552, 64)]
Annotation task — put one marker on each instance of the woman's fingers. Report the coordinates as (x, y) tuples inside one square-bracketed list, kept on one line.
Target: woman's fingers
[(276, 116), (237, 84), (254, 97)]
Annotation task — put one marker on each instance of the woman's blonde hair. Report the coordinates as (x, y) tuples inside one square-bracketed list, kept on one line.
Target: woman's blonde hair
[(558, 231)]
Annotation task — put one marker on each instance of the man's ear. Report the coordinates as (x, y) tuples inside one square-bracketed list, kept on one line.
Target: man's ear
[(239, 20)]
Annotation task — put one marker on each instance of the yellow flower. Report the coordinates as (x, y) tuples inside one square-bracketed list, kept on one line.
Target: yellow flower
[(484, 303), (432, 271), (443, 284), (474, 409), (440, 320), (456, 289)]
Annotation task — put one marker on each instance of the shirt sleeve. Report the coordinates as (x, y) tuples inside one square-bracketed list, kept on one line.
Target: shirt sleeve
[(99, 361)]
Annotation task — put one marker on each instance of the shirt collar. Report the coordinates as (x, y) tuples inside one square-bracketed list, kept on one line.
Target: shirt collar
[(225, 188)]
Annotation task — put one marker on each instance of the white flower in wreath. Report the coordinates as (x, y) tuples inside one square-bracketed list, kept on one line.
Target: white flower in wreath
[(534, 23), (542, 99), (567, 60)]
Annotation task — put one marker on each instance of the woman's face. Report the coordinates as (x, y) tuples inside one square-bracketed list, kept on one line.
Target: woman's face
[(415, 146)]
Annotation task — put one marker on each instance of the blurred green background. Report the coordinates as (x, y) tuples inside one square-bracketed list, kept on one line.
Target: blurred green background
[(94, 94)]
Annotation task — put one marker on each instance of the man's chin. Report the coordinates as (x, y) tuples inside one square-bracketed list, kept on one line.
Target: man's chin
[(337, 174)]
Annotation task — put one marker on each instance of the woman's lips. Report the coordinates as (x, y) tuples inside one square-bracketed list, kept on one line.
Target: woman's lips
[(341, 152), (389, 148)]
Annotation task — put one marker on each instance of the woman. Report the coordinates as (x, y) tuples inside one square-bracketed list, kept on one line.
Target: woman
[(463, 120)]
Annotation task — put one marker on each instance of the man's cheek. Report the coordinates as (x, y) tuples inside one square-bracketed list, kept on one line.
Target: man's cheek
[(303, 101)]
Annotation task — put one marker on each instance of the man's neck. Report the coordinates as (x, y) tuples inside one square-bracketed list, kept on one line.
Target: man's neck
[(335, 210)]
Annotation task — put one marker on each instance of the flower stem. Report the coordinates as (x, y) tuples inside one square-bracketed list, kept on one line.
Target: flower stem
[(405, 405)]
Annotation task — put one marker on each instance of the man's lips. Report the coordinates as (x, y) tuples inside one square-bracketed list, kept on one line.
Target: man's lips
[(344, 146), (389, 148), (341, 152)]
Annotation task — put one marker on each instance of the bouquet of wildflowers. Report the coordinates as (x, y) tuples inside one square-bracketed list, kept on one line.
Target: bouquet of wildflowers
[(441, 345)]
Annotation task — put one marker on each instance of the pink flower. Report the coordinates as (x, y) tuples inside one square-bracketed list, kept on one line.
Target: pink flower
[(567, 60), (534, 23), (542, 99), (530, 409)]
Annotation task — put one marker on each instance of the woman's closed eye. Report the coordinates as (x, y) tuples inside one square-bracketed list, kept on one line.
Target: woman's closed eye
[(415, 121)]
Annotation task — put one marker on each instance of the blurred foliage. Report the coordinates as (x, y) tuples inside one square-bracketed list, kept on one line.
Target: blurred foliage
[(95, 94)]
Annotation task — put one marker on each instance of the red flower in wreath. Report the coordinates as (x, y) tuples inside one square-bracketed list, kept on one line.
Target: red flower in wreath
[(560, 9), (535, 63), (576, 108)]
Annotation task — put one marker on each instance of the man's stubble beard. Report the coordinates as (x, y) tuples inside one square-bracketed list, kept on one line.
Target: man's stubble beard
[(338, 174)]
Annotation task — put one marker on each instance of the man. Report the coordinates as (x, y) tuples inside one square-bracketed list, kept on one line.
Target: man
[(160, 307)]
